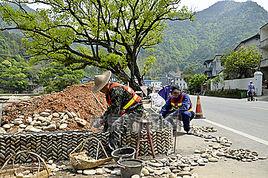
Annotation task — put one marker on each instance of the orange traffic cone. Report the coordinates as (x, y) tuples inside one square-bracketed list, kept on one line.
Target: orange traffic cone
[(198, 111)]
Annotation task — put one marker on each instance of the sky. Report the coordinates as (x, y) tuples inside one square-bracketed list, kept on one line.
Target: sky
[(198, 5)]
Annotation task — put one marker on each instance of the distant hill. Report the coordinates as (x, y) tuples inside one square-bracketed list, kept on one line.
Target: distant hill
[(215, 30)]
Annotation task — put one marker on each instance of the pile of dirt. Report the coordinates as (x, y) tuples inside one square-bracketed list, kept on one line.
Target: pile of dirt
[(78, 99)]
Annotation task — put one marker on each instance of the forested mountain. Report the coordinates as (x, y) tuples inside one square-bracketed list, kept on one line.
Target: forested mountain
[(215, 30)]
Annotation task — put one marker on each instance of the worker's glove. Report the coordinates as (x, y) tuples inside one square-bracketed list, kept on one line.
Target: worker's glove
[(98, 123)]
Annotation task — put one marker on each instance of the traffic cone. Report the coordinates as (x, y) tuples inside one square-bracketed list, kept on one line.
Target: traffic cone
[(198, 111)]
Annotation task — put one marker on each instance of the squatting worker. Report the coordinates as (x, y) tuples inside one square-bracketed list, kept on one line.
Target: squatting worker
[(124, 106), (178, 104)]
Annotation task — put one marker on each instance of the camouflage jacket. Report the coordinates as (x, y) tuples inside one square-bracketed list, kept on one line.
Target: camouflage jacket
[(119, 98)]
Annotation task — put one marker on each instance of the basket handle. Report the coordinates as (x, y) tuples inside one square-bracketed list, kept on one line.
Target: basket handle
[(13, 157), (82, 143)]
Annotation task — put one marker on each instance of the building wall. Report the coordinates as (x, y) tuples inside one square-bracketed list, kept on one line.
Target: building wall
[(264, 46), (241, 84)]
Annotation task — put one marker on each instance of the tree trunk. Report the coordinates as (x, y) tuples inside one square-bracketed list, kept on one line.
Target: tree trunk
[(121, 74)]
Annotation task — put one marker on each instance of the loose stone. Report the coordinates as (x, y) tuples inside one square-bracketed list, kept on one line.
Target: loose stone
[(145, 171), (100, 171), (212, 159), (63, 126), (172, 175), (7, 126), (89, 172)]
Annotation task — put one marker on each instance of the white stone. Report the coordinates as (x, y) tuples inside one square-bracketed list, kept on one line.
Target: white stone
[(151, 170), (197, 151), (65, 117), (212, 159), (204, 155), (2, 130), (184, 173), (49, 118), (69, 114), (155, 164), (262, 157), (55, 114), (89, 172), (29, 120), (23, 126), (216, 146), (159, 172), (193, 163), (201, 162), (205, 160), (135, 176), (81, 121), (186, 176), (36, 115), (186, 168), (167, 170), (145, 171), (50, 161), (116, 172), (7, 126), (42, 119), (32, 129), (107, 170), (79, 171), (63, 126), (44, 114), (100, 171), (74, 115), (33, 122), (172, 175), (50, 127), (220, 153)]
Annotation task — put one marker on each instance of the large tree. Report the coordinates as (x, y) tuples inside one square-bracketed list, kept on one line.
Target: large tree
[(241, 63), (105, 33)]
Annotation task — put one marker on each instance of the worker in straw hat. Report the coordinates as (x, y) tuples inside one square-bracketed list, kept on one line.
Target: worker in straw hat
[(124, 105)]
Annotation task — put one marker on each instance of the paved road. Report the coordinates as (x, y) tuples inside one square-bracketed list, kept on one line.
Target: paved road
[(247, 117), (246, 125)]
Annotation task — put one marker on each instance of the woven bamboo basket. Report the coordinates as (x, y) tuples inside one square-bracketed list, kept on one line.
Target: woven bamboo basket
[(80, 160), (17, 171)]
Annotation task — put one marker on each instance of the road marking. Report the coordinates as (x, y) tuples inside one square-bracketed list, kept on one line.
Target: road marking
[(239, 132), (260, 108)]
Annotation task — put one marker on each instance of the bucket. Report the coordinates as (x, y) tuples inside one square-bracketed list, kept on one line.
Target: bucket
[(123, 153), (130, 167)]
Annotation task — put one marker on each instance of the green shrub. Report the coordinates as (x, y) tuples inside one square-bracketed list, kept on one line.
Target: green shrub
[(232, 93)]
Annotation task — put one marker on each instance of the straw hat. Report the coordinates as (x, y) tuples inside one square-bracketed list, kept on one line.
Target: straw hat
[(101, 80)]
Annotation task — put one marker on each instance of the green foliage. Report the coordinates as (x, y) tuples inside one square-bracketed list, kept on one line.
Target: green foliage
[(241, 63), (149, 61), (14, 75), (233, 93), (105, 33), (196, 81), (56, 77)]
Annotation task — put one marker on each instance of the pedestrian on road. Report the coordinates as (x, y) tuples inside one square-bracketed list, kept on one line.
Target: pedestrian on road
[(124, 106), (178, 104), (251, 91)]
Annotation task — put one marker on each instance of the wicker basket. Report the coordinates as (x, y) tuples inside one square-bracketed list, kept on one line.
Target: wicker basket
[(17, 172), (80, 160)]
